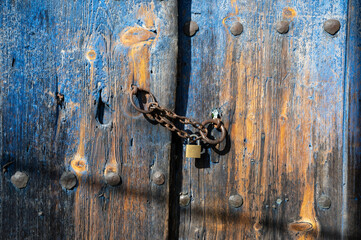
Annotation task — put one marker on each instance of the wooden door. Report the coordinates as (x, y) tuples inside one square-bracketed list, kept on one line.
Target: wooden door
[(66, 70), (79, 162), (290, 101)]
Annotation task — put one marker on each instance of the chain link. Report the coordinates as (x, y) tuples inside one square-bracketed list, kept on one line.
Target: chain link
[(166, 118)]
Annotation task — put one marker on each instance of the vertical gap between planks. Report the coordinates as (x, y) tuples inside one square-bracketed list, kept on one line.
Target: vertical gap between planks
[(345, 124), (175, 165)]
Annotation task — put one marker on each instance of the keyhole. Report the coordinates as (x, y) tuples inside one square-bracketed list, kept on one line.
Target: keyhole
[(103, 114)]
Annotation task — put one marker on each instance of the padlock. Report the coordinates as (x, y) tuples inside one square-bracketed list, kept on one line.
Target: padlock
[(193, 151)]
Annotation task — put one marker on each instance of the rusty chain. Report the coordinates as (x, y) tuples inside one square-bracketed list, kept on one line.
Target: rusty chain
[(166, 118)]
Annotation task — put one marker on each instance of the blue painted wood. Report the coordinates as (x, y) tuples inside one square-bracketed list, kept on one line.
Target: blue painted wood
[(352, 160), (66, 69), (290, 103), (282, 98)]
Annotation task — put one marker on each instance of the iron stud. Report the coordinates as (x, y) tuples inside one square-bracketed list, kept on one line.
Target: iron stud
[(332, 26), (68, 180), (112, 178), (158, 178), (236, 28), (184, 199), (236, 201), (19, 179), (190, 28), (282, 27), (324, 202)]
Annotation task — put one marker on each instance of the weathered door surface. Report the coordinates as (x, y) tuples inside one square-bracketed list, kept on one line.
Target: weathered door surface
[(290, 102), (66, 70), (79, 162)]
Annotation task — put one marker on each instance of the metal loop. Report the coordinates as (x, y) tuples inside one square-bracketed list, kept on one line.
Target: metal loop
[(219, 122), (134, 92), (216, 123)]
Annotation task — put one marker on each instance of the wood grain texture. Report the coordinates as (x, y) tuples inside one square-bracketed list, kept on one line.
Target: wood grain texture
[(66, 69), (352, 161), (282, 98), (291, 104)]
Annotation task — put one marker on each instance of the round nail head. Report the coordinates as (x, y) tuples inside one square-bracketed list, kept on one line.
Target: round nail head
[(236, 201), (19, 179), (112, 178), (282, 27), (68, 180), (184, 200), (332, 26), (190, 28), (324, 202), (158, 178), (236, 28)]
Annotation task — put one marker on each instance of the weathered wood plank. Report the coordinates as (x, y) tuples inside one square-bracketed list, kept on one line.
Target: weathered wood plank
[(87, 53), (352, 159), (282, 100)]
